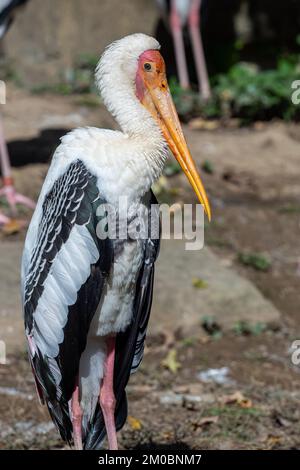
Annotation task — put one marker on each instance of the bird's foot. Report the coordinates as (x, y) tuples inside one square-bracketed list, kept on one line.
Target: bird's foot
[(13, 198), (107, 398)]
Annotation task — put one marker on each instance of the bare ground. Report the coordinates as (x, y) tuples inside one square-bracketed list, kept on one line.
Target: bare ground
[(254, 189)]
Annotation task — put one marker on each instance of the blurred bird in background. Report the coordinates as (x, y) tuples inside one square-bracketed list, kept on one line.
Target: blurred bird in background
[(7, 11), (87, 298), (182, 17)]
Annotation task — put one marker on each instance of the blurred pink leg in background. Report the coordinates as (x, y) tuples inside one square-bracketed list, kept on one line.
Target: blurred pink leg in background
[(176, 28), (8, 191), (194, 27)]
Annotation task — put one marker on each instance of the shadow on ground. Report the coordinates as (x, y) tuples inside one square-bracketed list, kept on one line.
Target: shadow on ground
[(36, 150)]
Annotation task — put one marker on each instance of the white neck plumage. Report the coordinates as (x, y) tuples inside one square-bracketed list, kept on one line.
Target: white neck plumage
[(115, 77)]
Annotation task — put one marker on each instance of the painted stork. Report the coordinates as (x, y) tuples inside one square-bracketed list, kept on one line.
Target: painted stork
[(179, 14), (7, 12), (87, 298)]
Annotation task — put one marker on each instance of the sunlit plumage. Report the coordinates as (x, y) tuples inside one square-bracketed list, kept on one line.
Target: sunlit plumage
[(87, 300)]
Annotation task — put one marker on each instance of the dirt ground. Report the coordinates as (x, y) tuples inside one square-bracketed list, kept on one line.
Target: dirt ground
[(253, 183)]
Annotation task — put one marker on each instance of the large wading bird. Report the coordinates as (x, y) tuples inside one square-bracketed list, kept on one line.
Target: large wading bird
[(87, 298), (178, 15), (7, 12)]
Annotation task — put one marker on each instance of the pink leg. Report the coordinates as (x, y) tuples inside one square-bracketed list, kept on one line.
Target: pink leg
[(8, 191), (3, 219), (194, 23), (176, 28), (107, 397), (4, 158), (76, 419)]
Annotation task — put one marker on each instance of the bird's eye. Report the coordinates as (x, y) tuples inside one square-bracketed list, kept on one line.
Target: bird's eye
[(147, 66)]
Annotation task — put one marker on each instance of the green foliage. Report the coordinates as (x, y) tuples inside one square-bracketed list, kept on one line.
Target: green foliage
[(257, 261), (57, 88), (208, 167), (251, 93), (87, 61), (243, 328), (245, 92), (77, 80), (289, 209), (185, 100)]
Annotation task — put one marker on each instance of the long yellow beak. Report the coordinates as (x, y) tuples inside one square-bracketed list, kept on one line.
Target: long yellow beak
[(159, 102)]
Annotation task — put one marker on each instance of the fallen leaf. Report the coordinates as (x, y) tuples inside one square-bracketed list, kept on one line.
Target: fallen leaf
[(208, 420), (236, 398), (168, 435), (205, 421), (12, 227), (199, 283), (271, 441), (134, 423), (170, 362)]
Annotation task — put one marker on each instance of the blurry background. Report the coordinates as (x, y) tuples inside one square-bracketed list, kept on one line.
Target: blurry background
[(217, 371)]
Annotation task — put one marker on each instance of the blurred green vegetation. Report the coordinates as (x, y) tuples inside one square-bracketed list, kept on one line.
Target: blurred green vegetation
[(245, 92), (243, 328), (78, 80), (257, 261)]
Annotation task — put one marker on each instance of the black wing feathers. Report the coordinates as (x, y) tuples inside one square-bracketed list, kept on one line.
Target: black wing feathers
[(62, 209), (73, 200)]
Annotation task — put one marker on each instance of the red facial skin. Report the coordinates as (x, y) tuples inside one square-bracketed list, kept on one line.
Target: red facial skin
[(155, 76), (153, 92)]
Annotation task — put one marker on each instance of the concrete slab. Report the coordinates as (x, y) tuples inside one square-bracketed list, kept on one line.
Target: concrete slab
[(177, 304), (227, 297)]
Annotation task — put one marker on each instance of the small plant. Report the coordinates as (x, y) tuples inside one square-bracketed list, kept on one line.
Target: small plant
[(208, 167), (243, 328), (245, 92), (185, 100), (251, 93), (290, 209), (257, 261), (189, 342), (79, 79)]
